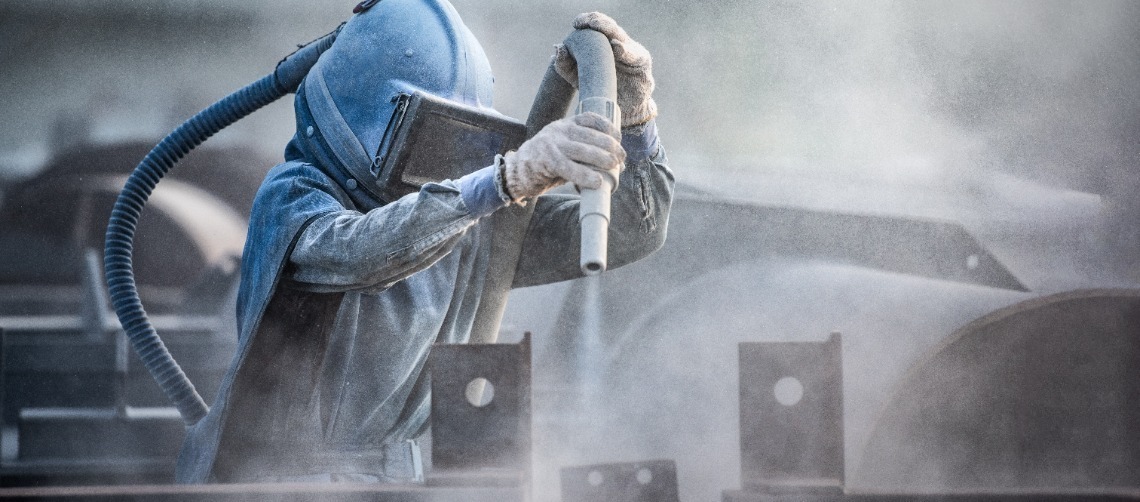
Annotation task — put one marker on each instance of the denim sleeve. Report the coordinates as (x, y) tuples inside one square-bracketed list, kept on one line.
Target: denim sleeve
[(640, 142), (638, 219), (348, 250), (482, 191)]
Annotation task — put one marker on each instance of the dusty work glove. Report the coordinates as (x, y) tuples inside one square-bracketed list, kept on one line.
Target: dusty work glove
[(634, 68), (581, 149)]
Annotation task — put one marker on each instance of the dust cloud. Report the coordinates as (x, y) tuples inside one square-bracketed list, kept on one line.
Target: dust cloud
[(1019, 119)]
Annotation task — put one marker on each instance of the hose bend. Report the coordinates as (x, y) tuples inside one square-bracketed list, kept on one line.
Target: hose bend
[(597, 93), (128, 207)]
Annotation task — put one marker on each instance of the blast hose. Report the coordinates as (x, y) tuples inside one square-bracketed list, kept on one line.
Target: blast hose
[(597, 92), (128, 207)]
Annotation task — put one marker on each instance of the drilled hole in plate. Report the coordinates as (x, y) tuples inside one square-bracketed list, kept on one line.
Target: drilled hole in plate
[(644, 476), (972, 261), (788, 391), (480, 392), (595, 478)]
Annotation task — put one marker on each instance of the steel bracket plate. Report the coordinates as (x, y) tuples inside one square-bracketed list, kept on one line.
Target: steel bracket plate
[(480, 407), (650, 481), (791, 416)]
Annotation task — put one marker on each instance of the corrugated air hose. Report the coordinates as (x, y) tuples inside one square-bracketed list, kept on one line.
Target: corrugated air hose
[(128, 207)]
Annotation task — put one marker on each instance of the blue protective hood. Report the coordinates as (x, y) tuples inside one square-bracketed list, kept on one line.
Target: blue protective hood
[(393, 48)]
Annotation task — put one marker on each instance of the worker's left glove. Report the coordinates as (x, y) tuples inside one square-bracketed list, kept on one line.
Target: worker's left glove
[(634, 68), (583, 149)]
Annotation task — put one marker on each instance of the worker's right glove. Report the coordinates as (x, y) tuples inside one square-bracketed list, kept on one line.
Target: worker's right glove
[(634, 68), (581, 149)]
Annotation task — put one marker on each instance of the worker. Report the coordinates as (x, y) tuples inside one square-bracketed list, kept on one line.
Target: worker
[(343, 293)]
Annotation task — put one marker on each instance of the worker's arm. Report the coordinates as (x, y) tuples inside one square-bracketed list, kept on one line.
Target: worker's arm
[(639, 216), (344, 249), (640, 206)]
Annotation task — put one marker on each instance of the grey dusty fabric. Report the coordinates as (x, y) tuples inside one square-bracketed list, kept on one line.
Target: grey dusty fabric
[(579, 150), (634, 68)]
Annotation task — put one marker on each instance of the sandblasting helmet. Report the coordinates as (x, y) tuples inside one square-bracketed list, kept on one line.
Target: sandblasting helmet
[(391, 50)]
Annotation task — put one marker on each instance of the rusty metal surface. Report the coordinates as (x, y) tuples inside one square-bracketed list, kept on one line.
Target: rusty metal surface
[(791, 415)]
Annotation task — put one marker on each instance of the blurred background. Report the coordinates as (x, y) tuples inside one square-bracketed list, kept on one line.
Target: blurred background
[(894, 171), (950, 109)]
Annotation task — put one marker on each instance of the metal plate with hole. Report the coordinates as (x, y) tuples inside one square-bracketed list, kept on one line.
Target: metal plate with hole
[(791, 415), (480, 409), (650, 481)]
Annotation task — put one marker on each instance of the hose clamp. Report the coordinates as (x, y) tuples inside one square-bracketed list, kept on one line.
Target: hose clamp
[(602, 106)]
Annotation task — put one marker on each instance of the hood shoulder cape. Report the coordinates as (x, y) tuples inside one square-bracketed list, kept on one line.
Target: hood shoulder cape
[(292, 195)]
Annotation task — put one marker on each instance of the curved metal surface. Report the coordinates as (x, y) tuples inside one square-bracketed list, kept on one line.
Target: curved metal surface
[(665, 384), (1039, 395), (48, 221), (215, 229), (665, 369)]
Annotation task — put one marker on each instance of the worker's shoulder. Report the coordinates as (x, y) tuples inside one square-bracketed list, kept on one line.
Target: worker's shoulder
[(292, 170), (290, 181), (292, 175)]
